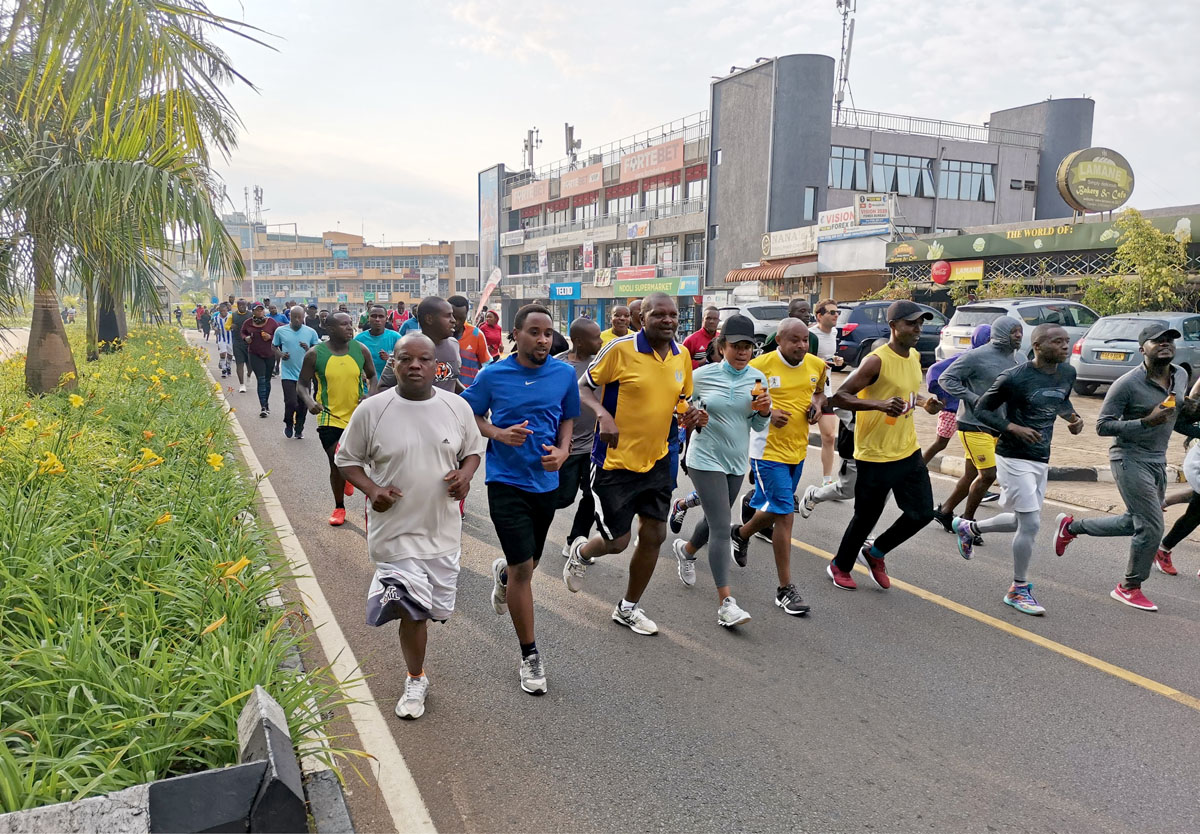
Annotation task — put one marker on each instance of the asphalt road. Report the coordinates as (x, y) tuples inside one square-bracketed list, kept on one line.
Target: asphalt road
[(881, 711)]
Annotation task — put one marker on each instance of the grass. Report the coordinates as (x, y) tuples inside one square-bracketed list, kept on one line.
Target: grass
[(132, 574)]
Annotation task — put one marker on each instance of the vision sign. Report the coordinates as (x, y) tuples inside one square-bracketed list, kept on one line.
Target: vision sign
[(1095, 179)]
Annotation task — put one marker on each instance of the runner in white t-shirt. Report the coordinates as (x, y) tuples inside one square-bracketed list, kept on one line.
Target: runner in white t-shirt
[(824, 330), (412, 451)]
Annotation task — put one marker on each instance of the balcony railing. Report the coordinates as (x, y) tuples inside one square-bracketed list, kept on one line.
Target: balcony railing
[(693, 206), (870, 120), (587, 276)]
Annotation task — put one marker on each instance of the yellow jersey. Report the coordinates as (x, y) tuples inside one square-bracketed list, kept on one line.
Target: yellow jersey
[(792, 389)]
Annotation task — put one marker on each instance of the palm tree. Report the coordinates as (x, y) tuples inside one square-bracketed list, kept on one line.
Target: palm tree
[(108, 112)]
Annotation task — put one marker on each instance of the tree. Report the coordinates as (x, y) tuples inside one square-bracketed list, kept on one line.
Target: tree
[(1148, 270), (107, 113)]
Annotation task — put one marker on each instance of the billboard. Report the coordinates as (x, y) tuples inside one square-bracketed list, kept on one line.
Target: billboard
[(489, 219), (429, 282), (652, 161), (1095, 179), (534, 194), (582, 181)]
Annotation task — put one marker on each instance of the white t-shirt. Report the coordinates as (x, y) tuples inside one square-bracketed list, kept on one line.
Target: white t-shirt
[(826, 342), (412, 445)]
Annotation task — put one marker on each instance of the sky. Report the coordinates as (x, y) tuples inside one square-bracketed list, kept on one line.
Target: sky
[(375, 116)]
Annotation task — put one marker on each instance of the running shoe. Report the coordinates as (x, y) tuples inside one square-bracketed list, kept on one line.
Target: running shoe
[(499, 589), (1162, 561), (533, 674), (789, 599), (338, 517), (299, 434), (840, 578), (730, 614), (1021, 598), (807, 503), (264, 413), (961, 528), (764, 535), (575, 568), (348, 490), (1063, 536), (876, 568), (634, 620), (412, 703), (687, 564), (989, 497), (566, 551), (946, 520), (287, 432), (741, 547), (1133, 597), (241, 389), (678, 511)]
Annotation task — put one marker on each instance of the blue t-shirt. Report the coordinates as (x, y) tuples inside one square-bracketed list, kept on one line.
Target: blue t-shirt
[(385, 341), (410, 326), (293, 343), (282, 318), (545, 396)]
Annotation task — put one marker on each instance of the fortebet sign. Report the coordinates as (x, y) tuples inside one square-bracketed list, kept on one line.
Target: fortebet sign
[(1095, 179)]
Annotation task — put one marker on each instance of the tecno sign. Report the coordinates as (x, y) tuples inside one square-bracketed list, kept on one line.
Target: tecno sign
[(659, 159)]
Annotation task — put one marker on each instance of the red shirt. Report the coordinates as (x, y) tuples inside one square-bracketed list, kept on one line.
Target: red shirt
[(260, 342), (697, 345), (494, 335)]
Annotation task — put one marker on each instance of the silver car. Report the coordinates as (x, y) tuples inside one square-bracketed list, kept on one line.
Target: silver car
[(1032, 311), (1110, 348)]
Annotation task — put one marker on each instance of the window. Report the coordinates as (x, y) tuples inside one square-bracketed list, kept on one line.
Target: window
[(716, 157), (410, 287), (1082, 316), (382, 264), (529, 264), (430, 261), (713, 231), (330, 287), (1191, 330), (654, 250), (619, 255), (911, 230), (967, 181), (848, 168), (810, 203), (466, 260), (305, 267), (696, 189), (560, 261), (693, 248), (554, 218), (586, 213), (663, 196), (377, 287), (407, 262), (908, 176), (622, 205)]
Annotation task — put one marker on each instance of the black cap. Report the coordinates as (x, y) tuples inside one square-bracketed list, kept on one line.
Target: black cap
[(738, 328), (1156, 332), (312, 306), (259, 306), (905, 310)]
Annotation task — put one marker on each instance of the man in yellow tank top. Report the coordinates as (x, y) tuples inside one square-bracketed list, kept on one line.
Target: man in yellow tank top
[(885, 391)]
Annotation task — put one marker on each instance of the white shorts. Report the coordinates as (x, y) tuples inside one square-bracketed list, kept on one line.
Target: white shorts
[(1191, 467), (1022, 484), (418, 589)]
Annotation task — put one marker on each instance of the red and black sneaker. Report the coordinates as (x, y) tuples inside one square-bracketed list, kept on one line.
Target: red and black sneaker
[(840, 578), (876, 568), (1133, 597), (1063, 536), (1162, 561)]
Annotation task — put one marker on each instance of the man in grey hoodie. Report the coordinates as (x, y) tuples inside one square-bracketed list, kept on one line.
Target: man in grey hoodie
[(968, 378)]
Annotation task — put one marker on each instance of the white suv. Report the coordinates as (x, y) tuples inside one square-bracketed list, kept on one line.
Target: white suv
[(766, 316), (956, 336)]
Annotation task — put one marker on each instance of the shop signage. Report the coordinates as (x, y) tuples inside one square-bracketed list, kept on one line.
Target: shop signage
[(636, 273), (679, 285), (294, 272), (581, 181), (560, 292), (655, 160), (602, 278), (872, 209), (340, 250), (636, 230), (343, 297), (1065, 237), (341, 273), (1095, 179), (841, 223), (533, 194), (543, 260), (589, 255), (943, 271), (789, 242), (513, 238), (429, 282), (368, 296)]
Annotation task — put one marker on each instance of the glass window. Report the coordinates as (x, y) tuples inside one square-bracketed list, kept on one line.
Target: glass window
[(586, 214), (560, 261), (613, 255), (1191, 330), (653, 250), (810, 203), (555, 218), (908, 176), (693, 248), (407, 262), (1127, 330), (410, 287), (967, 181), (529, 264), (430, 261), (1082, 316), (848, 168), (382, 264), (622, 205), (696, 189)]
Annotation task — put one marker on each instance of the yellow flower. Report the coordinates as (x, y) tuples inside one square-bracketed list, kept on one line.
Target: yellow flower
[(174, 378), (235, 568), (76, 400), (216, 461), (30, 423), (162, 519), (68, 376), (132, 370), (160, 371), (211, 627), (147, 434), (154, 378), (51, 465)]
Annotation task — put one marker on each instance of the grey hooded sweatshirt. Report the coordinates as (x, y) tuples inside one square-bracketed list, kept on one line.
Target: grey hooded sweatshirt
[(970, 375)]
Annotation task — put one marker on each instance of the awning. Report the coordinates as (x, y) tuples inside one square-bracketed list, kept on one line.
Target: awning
[(773, 271)]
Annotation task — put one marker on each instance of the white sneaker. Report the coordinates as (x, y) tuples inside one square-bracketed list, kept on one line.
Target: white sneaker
[(412, 704), (566, 551), (730, 614), (241, 389), (533, 674), (499, 589), (807, 504), (687, 564), (634, 620), (574, 569)]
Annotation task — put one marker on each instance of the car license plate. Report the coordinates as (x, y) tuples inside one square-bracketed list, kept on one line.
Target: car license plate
[(1112, 355), (964, 340)]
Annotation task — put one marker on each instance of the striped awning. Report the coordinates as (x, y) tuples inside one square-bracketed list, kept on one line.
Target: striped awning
[(774, 270)]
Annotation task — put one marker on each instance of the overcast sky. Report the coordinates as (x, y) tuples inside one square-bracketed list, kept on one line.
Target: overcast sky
[(378, 114)]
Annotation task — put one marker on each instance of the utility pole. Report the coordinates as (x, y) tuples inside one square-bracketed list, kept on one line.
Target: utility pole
[(846, 9), (253, 220)]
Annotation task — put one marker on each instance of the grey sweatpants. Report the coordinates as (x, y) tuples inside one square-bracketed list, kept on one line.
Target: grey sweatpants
[(843, 488), (717, 493), (1142, 485)]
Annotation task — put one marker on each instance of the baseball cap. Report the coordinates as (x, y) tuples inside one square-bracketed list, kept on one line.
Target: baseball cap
[(259, 306), (738, 328), (1156, 332), (905, 310)]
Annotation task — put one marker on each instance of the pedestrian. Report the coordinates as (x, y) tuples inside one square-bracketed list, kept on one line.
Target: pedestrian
[(619, 318), (947, 425), (825, 333), (206, 324), (1021, 406), (798, 308), (635, 315), (1187, 523), (241, 350), (257, 333), (278, 317), (378, 340), (575, 477), (178, 316), (525, 405), (641, 382), (796, 384), (472, 344), (697, 343), (341, 368), (884, 390), (1139, 413), (71, 318), (493, 334), (412, 453), (735, 396), (291, 344), (312, 318), (436, 320), (224, 340), (967, 378)]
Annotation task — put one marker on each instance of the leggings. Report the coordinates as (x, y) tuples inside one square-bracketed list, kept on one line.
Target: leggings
[(1187, 522), (717, 491), (261, 367), (1026, 526)]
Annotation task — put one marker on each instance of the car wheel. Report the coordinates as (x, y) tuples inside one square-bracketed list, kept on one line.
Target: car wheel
[(759, 341), (1086, 388)]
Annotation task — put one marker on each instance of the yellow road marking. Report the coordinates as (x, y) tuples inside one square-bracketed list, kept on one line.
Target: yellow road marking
[(1029, 636)]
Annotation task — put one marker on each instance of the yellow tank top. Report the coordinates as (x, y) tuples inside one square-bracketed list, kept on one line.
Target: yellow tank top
[(877, 437)]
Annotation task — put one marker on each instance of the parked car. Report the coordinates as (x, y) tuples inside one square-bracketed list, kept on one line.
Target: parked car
[(956, 337), (766, 316), (1110, 348), (862, 327)]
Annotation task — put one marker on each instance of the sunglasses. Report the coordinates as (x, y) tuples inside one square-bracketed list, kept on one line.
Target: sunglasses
[(830, 310)]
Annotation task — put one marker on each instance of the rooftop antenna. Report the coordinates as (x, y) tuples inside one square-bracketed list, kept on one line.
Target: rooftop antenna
[(846, 8), (532, 142), (573, 144)]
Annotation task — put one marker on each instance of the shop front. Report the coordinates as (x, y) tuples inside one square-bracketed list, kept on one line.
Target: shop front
[(635, 282)]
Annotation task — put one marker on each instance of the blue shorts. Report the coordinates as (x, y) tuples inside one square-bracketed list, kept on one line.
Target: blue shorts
[(775, 486), (674, 445)]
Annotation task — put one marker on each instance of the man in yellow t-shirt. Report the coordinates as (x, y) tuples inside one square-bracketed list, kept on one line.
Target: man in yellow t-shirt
[(885, 391), (620, 325), (796, 383)]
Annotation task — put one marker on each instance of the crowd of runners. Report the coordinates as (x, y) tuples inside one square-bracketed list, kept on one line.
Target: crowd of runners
[(605, 423)]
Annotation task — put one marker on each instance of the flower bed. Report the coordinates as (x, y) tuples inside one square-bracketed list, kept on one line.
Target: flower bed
[(131, 576)]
